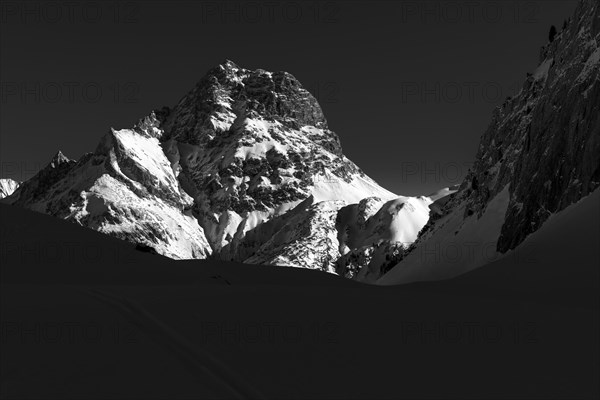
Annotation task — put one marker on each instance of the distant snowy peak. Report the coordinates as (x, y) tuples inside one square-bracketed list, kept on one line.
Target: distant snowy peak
[(7, 187)]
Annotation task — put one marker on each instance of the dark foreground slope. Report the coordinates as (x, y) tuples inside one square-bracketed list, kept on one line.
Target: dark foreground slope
[(87, 316)]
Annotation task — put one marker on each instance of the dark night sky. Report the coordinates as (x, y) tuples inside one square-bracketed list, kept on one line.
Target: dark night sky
[(363, 61)]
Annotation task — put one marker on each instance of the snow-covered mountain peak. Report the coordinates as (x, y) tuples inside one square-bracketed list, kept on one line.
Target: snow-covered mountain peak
[(245, 155)]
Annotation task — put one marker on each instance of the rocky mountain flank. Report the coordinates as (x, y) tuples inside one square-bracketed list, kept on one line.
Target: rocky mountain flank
[(539, 155)]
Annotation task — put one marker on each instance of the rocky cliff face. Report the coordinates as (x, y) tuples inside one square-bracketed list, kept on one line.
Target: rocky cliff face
[(545, 142), (540, 153)]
